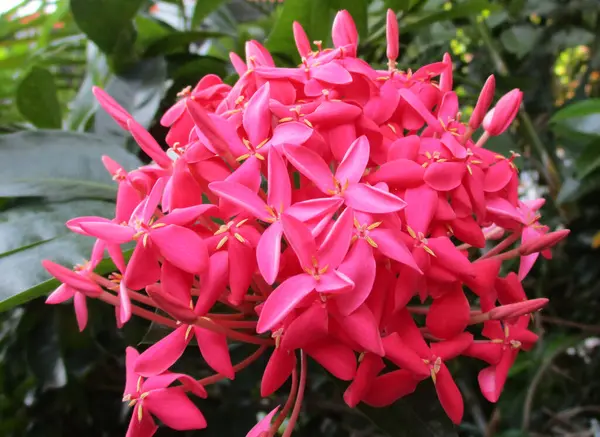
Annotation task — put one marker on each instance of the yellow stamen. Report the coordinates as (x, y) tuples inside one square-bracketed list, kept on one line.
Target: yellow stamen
[(241, 223), (222, 242), (241, 158), (239, 238), (371, 241), (374, 225), (429, 251), (284, 119), (411, 232), (139, 413), (187, 332), (259, 156), (308, 123)]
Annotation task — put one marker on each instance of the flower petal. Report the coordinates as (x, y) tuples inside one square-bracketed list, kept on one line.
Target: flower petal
[(278, 370), (174, 409), (337, 358), (368, 198), (243, 197), (360, 267), (300, 239), (279, 195), (215, 351), (354, 162), (283, 300), (182, 247), (268, 252), (163, 354), (311, 165)]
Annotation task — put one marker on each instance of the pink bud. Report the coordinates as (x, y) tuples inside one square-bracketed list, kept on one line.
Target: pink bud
[(446, 76), (302, 42), (501, 116), (483, 102), (344, 30), (169, 304), (543, 242), (517, 309), (392, 35)]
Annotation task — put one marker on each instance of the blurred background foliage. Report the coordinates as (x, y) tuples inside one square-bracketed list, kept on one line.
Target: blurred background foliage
[(57, 382)]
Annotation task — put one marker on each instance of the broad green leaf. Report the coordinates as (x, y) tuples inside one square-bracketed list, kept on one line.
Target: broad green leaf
[(139, 91), (178, 41), (425, 18), (30, 233), (582, 117), (203, 9), (573, 189), (578, 109), (37, 99), (314, 15), (417, 415), (520, 39), (197, 67), (44, 355), (59, 165), (108, 23), (84, 105), (589, 160)]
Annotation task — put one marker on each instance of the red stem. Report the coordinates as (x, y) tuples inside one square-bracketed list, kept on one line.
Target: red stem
[(288, 404), (501, 246), (141, 312), (298, 405)]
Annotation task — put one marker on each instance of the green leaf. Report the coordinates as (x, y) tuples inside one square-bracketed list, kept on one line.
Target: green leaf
[(582, 117), (178, 42), (401, 5), (30, 233), (589, 160), (84, 105), (417, 415), (44, 355), (425, 18), (314, 15), (139, 91), (37, 99), (520, 39), (108, 23), (203, 9), (59, 165)]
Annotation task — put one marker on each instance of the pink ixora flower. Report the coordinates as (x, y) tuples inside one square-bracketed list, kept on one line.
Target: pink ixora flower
[(329, 211)]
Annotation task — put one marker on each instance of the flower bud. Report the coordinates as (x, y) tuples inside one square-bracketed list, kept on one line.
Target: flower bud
[(446, 76), (302, 42), (517, 309), (543, 242), (344, 30), (501, 116), (483, 102), (392, 36)]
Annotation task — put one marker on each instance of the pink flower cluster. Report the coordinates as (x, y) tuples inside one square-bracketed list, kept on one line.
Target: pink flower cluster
[(305, 210)]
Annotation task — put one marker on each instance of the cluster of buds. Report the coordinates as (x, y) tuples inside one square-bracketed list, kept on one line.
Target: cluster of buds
[(331, 211)]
